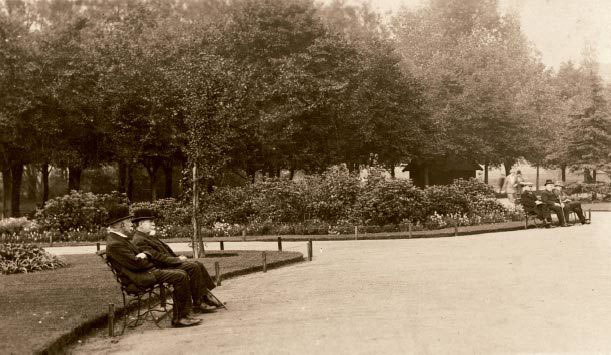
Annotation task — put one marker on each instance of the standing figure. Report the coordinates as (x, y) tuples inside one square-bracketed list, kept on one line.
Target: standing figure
[(137, 267), (163, 257), (518, 183), (510, 187)]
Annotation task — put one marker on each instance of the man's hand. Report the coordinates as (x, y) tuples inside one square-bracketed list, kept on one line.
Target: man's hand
[(182, 258), (538, 202), (141, 256), (557, 204)]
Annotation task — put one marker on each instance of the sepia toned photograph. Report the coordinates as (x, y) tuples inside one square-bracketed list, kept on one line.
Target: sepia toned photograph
[(305, 177)]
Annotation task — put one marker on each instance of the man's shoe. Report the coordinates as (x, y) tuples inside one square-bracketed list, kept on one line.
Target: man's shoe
[(565, 225), (186, 322), (212, 301), (199, 309), (585, 221)]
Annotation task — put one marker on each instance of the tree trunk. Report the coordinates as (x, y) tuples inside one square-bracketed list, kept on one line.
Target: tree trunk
[(392, 172), (537, 179), (129, 191), (426, 175), (168, 178), (122, 177), (45, 183), (196, 242), (563, 173), (593, 175), (486, 173), (16, 177), (31, 180), (6, 190), (74, 178), (507, 166), (152, 171), (291, 173)]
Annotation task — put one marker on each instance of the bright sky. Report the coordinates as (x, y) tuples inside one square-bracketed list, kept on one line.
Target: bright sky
[(558, 28)]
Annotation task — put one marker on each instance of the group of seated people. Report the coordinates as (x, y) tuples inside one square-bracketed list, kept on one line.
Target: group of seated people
[(146, 260), (551, 200)]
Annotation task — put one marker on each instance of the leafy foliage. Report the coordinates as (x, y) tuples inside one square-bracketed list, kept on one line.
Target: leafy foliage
[(16, 225), (77, 211), (24, 258)]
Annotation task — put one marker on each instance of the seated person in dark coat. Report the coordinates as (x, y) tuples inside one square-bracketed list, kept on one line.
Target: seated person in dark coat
[(569, 206), (552, 202), (532, 204), (137, 267), (163, 257)]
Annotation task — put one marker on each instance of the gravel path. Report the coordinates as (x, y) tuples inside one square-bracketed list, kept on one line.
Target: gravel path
[(528, 291)]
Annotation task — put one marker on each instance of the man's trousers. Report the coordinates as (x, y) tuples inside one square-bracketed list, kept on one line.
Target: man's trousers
[(199, 279), (182, 293)]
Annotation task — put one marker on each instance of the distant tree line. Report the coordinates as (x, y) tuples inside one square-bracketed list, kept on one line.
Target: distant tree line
[(257, 86)]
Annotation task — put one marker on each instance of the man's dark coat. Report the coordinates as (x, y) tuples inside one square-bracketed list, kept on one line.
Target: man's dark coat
[(161, 254), (122, 254), (528, 199), (549, 198)]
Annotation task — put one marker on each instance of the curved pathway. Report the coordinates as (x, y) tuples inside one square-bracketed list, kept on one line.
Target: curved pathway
[(522, 291)]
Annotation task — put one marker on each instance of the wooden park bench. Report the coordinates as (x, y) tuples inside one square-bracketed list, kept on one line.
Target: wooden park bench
[(530, 214), (150, 303)]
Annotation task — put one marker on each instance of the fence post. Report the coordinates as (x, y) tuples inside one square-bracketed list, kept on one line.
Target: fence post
[(456, 227), (409, 229), (264, 262), (217, 270), (222, 245), (356, 232), (590, 214), (97, 246), (310, 250), (111, 320), (50, 239), (279, 244)]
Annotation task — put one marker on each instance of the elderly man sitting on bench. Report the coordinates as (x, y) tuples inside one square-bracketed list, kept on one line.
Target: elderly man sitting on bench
[(533, 205), (137, 267), (162, 256), (569, 205)]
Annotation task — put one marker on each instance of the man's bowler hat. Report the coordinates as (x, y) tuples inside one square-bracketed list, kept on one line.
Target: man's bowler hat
[(117, 213), (141, 214), (549, 182)]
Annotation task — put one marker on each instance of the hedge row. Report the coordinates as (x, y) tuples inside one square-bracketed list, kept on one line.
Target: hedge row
[(338, 197), (332, 202)]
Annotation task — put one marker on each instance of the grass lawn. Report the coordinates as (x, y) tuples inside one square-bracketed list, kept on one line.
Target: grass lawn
[(39, 308)]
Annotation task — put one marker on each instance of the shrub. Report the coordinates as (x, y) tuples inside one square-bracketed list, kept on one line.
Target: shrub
[(17, 225), (445, 200), (24, 258), (331, 196), (391, 202), (77, 211), (593, 191), (39, 236), (233, 204), (168, 212)]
